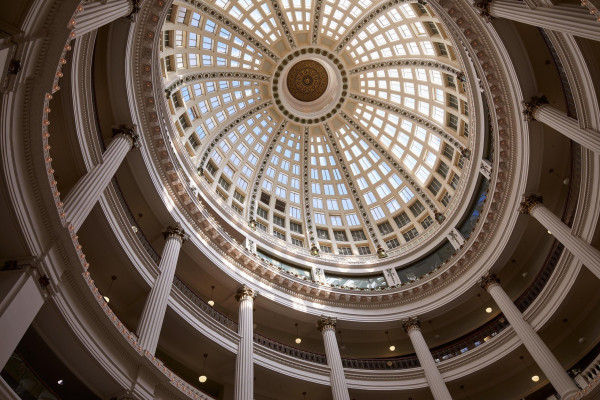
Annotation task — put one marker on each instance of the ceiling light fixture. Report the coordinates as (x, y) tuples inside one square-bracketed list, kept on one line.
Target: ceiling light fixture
[(203, 377), (60, 382), (298, 339), (211, 302), (487, 309), (392, 347), (112, 279), (535, 378)]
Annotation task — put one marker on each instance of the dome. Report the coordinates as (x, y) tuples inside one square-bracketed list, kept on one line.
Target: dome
[(300, 199), (349, 144)]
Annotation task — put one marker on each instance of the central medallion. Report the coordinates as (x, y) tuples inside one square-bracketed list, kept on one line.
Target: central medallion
[(307, 80), (310, 85)]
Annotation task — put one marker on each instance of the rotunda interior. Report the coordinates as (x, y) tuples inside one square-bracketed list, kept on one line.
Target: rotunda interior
[(300, 199)]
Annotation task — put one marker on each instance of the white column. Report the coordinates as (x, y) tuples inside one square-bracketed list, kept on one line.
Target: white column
[(562, 382), (561, 122), (20, 301), (573, 20), (87, 191), (432, 374), (96, 14), (583, 251), (244, 362), (156, 304), (339, 389)]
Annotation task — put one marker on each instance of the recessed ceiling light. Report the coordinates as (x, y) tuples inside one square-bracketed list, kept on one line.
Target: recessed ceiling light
[(202, 378), (535, 378), (488, 310), (211, 303), (298, 340), (392, 348)]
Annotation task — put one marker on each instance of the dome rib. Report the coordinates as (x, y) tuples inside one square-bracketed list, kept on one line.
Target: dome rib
[(408, 179)]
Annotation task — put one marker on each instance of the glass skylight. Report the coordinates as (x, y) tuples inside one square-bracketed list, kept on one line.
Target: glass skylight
[(377, 170)]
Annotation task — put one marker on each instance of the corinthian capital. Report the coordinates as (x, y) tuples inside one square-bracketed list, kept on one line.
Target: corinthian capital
[(130, 132), (175, 231), (411, 324), (529, 202), (244, 293), (530, 107), (488, 280), (327, 323)]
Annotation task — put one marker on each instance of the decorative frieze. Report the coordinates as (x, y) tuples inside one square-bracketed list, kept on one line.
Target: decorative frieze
[(283, 23)]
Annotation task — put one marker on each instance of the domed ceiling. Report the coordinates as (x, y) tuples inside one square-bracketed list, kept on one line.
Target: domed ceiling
[(338, 128)]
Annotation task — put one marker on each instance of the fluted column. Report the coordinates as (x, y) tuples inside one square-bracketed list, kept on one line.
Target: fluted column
[(563, 384), (538, 109), (573, 20), (156, 304), (87, 191), (583, 251), (244, 362), (21, 298), (432, 374), (98, 13), (339, 389)]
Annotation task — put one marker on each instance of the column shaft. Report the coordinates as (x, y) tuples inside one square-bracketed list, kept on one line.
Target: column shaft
[(339, 388), (432, 374), (244, 362), (542, 355), (156, 305), (568, 126), (583, 251), (20, 301), (87, 191), (572, 20), (99, 13)]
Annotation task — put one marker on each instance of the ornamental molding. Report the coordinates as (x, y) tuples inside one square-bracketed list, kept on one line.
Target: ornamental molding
[(283, 23), (316, 21), (404, 62), (202, 76)]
